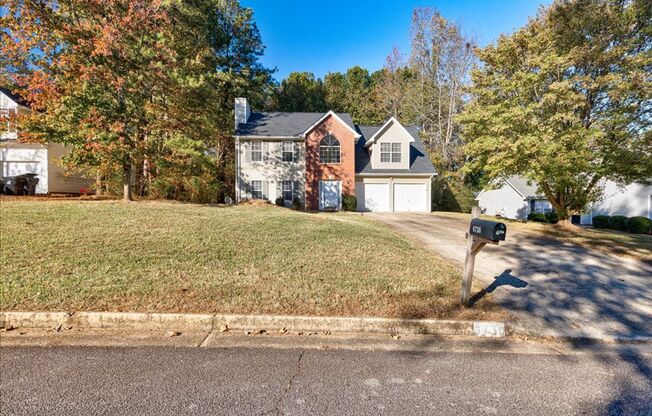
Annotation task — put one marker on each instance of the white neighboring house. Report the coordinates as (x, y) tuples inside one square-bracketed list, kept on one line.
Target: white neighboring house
[(515, 198), (19, 158)]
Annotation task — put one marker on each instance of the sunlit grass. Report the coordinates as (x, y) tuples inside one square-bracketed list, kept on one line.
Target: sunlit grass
[(161, 256)]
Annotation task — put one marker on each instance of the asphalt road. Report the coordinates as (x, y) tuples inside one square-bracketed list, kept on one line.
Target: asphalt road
[(255, 381), (553, 288)]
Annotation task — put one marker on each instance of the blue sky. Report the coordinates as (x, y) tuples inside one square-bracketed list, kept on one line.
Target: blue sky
[(303, 35)]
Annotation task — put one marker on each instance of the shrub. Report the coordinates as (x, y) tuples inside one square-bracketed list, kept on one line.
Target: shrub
[(349, 203), (601, 221), (280, 202), (536, 217), (638, 225), (296, 204), (552, 217), (617, 222)]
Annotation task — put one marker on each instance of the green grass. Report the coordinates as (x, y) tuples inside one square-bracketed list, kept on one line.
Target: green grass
[(172, 257), (636, 246)]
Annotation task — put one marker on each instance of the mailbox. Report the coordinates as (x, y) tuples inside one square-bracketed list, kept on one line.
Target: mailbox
[(489, 230)]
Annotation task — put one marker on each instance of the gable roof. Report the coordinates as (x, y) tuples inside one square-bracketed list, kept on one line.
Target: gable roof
[(372, 139), (526, 188), (14, 97), (281, 124), (420, 163)]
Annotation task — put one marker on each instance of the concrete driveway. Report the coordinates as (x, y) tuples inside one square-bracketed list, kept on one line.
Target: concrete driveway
[(552, 288)]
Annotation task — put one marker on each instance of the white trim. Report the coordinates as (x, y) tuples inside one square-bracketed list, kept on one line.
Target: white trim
[(330, 113), (382, 129), (339, 196)]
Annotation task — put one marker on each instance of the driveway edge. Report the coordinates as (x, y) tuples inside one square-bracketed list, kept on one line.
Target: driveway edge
[(269, 323)]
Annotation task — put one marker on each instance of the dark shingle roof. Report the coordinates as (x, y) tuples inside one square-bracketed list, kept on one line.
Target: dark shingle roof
[(14, 97), (275, 124), (419, 161), (283, 124)]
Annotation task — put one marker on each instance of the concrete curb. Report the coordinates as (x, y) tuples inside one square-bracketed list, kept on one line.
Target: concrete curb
[(270, 323), (578, 336)]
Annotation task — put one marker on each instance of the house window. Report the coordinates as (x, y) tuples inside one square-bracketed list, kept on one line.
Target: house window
[(256, 151), (287, 188), (257, 189), (288, 151), (390, 152), (329, 150)]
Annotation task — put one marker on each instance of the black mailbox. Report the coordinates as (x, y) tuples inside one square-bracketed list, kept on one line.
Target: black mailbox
[(489, 230)]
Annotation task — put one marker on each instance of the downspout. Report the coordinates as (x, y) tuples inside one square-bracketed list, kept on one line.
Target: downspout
[(237, 169)]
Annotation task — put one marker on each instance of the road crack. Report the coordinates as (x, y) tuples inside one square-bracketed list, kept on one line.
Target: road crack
[(277, 406)]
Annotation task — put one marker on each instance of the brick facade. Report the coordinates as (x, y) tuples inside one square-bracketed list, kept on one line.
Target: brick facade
[(315, 171)]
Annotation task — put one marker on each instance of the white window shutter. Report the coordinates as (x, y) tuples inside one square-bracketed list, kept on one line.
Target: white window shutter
[(266, 157), (296, 190), (266, 189), (247, 150), (297, 149)]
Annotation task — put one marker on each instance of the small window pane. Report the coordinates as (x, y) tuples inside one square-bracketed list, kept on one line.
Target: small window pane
[(256, 151), (287, 189), (288, 151), (257, 189)]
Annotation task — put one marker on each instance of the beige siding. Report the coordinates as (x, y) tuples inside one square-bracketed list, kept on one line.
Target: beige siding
[(392, 134)]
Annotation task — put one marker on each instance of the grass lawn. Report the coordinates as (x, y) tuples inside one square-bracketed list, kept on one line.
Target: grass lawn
[(637, 246), (171, 257)]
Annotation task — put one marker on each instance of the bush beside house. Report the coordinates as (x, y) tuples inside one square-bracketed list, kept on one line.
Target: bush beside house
[(349, 203), (634, 225)]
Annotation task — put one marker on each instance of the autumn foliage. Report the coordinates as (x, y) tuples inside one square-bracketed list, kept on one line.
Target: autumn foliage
[(142, 90)]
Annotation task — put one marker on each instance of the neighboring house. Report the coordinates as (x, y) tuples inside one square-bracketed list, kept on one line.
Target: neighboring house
[(19, 158), (319, 157), (515, 198), (512, 198)]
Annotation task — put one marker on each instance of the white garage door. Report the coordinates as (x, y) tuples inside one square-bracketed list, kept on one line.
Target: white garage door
[(373, 196), (410, 197)]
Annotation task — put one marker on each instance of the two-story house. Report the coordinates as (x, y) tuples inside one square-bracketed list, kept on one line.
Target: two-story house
[(319, 157)]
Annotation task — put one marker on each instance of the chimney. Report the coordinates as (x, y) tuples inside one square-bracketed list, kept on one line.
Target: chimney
[(242, 111)]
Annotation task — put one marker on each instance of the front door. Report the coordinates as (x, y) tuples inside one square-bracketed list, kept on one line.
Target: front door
[(330, 195)]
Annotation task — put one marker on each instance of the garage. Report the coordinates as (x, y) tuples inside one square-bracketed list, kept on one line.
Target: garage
[(373, 197), (410, 197)]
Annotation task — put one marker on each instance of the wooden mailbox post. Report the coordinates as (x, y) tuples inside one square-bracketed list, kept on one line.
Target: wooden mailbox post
[(481, 233)]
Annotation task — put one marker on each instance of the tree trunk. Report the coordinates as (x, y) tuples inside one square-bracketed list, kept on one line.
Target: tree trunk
[(127, 176)]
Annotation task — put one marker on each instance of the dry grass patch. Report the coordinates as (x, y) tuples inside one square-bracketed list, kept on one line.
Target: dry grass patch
[(173, 257)]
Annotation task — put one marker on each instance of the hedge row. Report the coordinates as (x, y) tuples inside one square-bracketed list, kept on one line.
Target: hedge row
[(635, 225), (548, 217)]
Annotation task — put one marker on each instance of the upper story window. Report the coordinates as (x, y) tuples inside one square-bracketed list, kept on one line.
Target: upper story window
[(329, 150), (257, 151), (288, 151), (390, 152)]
